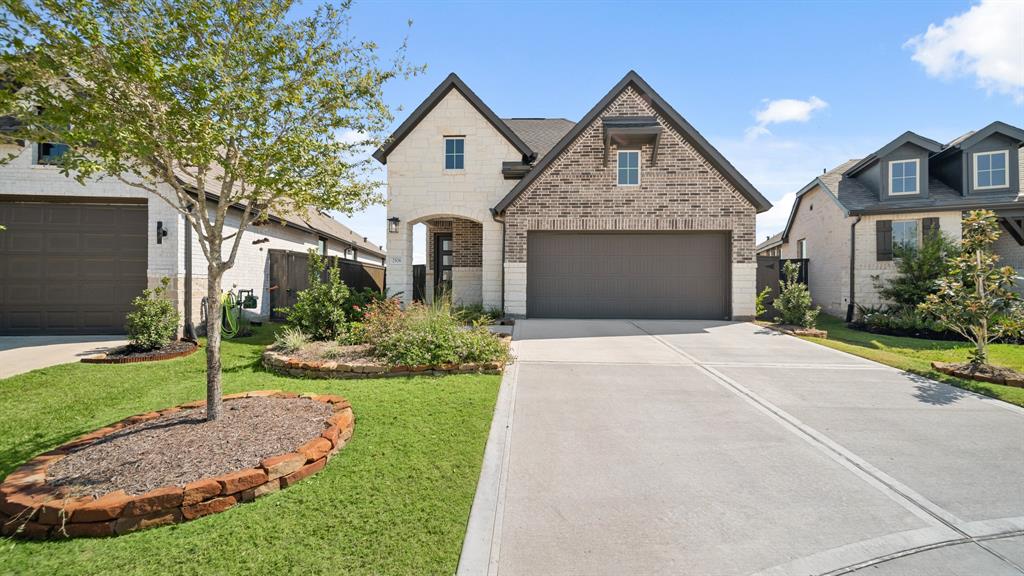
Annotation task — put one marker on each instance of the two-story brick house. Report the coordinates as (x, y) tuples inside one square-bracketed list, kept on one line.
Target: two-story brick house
[(848, 221), (628, 213)]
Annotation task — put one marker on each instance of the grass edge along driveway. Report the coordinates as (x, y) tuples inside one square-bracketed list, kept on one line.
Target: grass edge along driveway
[(395, 500), (915, 355)]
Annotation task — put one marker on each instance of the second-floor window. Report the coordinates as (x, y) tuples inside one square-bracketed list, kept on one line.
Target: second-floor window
[(629, 168), (903, 177), (990, 169), (454, 153), (49, 153)]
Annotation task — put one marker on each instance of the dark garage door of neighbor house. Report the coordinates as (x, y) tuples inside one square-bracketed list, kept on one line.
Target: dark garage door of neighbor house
[(69, 268), (628, 275)]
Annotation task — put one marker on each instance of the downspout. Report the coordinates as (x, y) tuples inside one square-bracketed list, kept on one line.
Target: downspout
[(189, 332), (853, 270), (501, 219)]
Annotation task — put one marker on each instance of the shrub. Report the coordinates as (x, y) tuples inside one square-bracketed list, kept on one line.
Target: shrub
[(975, 297), (759, 302), (794, 299), (359, 301), (152, 322), (290, 339), (319, 310), (430, 335), (918, 271), (898, 320), (476, 314)]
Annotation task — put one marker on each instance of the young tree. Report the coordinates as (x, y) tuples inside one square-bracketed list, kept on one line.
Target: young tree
[(205, 104), (974, 298), (794, 299)]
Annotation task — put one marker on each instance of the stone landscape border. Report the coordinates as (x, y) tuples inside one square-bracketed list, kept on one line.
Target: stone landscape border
[(103, 359), (290, 366), (1015, 379), (30, 508)]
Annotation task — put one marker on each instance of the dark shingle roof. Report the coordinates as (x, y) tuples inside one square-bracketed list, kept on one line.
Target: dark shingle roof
[(540, 134), (771, 241)]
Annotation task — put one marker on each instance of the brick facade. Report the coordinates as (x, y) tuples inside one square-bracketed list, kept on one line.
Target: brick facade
[(467, 240), (682, 192)]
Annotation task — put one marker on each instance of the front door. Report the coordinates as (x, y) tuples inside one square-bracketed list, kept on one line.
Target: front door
[(442, 265)]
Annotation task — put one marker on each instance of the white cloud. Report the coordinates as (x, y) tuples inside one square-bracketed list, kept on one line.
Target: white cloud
[(985, 42), (782, 111)]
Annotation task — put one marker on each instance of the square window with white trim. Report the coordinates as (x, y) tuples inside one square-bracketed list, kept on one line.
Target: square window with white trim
[(629, 168), (990, 169), (903, 177), (454, 153), (904, 236)]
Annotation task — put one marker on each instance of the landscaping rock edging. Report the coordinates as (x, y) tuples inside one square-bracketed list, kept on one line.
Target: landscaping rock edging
[(104, 359), (289, 366), (31, 508), (797, 330), (962, 371)]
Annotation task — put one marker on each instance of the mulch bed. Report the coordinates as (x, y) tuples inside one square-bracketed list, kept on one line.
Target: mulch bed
[(184, 447), (982, 373), (128, 355), (172, 466)]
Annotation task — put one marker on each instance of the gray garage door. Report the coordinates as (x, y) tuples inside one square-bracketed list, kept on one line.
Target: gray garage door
[(627, 275), (70, 268)]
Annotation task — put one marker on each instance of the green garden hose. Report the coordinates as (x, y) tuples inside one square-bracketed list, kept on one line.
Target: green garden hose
[(229, 312)]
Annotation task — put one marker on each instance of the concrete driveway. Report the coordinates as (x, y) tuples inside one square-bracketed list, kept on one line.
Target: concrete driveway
[(20, 354), (713, 448)]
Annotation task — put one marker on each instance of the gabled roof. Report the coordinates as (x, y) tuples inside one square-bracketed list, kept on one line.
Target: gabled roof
[(829, 182), (702, 146), (770, 242), (907, 137), (452, 82), (972, 138)]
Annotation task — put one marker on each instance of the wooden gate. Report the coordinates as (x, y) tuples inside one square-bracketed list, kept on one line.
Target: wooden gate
[(289, 275)]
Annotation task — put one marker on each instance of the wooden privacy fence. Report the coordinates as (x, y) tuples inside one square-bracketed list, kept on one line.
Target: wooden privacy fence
[(770, 273), (289, 275)]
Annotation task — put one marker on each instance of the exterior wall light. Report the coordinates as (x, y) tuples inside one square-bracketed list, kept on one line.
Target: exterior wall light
[(393, 224)]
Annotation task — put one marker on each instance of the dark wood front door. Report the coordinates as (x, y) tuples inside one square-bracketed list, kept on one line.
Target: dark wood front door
[(443, 258)]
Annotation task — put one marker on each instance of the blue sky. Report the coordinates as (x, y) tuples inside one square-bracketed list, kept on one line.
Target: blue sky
[(784, 90)]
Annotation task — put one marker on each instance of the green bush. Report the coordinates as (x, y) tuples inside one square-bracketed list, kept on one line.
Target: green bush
[(898, 319), (359, 301), (476, 314), (152, 323), (319, 310), (290, 339), (760, 309), (430, 335), (918, 271), (794, 300)]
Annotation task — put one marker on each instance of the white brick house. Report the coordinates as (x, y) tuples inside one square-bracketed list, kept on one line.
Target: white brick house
[(858, 211), (629, 212), (74, 255)]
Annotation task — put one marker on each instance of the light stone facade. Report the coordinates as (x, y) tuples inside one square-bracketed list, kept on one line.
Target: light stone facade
[(421, 190), (22, 177)]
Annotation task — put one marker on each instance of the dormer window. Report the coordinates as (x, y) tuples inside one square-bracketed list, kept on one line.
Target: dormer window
[(48, 153), (629, 168), (454, 153), (903, 177), (990, 170)]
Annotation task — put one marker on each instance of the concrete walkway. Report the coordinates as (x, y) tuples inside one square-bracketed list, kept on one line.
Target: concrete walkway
[(712, 448), (20, 354)]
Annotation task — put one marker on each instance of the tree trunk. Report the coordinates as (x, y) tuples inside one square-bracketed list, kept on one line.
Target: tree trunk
[(981, 353), (213, 319)]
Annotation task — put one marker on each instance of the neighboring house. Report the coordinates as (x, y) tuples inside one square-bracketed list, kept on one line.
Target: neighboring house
[(852, 217), (628, 213), (772, 246), (74, 256)]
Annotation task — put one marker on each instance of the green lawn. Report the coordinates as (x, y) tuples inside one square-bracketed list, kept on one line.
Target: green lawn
[(916, 355), (395, 500)]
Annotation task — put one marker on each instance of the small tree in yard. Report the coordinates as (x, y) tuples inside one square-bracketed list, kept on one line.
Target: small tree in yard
[(152, 322), (794, 299), (206, 105), (974, 298)]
